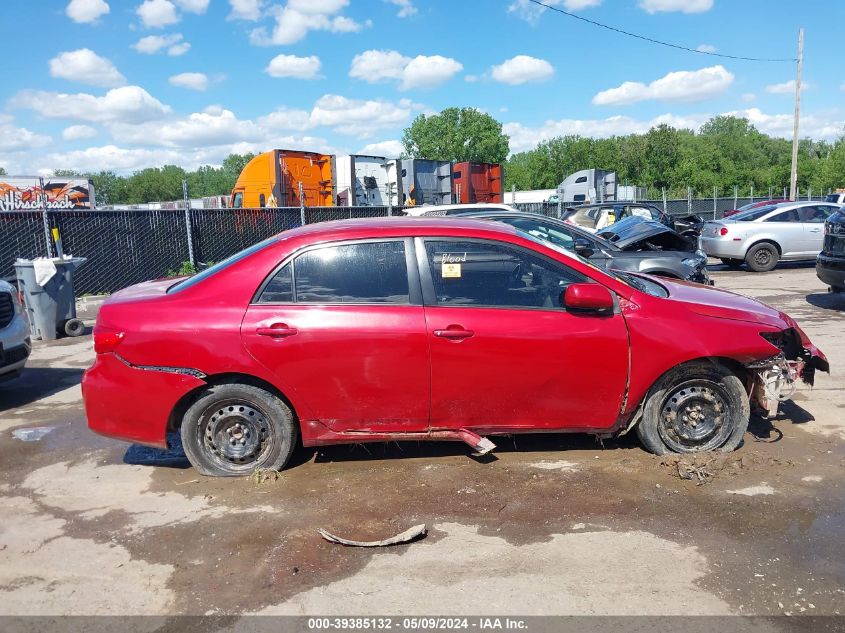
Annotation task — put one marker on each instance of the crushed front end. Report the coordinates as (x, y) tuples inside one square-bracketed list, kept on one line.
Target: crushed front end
[(776, 377)]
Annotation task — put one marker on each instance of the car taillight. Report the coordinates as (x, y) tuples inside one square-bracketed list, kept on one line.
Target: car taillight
[(106, 340), (723, 231)]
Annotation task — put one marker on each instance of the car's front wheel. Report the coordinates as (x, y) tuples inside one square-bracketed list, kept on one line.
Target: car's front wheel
[(233, 429), (695, 408)]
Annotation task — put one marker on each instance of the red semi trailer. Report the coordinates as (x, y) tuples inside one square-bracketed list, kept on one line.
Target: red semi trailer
[(477, 182)]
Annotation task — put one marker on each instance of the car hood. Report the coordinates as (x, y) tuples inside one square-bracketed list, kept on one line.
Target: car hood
[(724, 304), (633, 232)]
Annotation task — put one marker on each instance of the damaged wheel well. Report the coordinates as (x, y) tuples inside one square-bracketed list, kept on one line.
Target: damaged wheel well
[(174, 422)]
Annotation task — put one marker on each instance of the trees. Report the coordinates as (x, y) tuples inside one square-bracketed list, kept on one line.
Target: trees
[(456, 134)]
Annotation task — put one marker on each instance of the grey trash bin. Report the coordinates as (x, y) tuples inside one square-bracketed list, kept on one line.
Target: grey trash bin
[(51, 308)]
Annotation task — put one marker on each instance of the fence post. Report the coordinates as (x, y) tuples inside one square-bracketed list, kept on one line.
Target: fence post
[(301, 205), (188, 227), (736, 196), (809, 193), (689, 199), (784, 193), (44, 218), (714, 202), (752, 193), (665, 202), (770, 192), (559, 205), (513, 194)]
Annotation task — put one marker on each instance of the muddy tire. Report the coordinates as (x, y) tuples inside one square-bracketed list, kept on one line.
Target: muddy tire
[(763, 257), (731, 262), (233, 429), (695, 408)]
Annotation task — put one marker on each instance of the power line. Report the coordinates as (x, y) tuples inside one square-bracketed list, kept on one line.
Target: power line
[(654, 41)]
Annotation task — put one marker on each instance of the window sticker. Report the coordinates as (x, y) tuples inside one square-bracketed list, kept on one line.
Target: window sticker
[(451, 265)]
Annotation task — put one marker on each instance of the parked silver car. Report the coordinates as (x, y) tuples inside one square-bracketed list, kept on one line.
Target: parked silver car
[(761, 237), (15, 343)]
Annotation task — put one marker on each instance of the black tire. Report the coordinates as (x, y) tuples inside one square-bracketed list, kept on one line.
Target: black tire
[(695, 408), (762, 257), (74, 327), (233, 429), (732, 263)]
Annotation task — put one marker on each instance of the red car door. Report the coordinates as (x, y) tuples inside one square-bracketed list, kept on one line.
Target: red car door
[(504, 353), (343, 331)]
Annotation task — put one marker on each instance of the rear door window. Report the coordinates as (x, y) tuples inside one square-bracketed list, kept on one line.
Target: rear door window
[(493, 274), (785, 216), (372, 272)]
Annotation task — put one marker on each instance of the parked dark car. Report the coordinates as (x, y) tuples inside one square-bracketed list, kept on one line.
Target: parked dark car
[(675, 264), (830, 265), (595, 217)]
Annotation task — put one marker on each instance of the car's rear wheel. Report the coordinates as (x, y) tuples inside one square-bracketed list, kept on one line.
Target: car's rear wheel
[(693, 409), (730, 262), (233, 429), (762, 257)]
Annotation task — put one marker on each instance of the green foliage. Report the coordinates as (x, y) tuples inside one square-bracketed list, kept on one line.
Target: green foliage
[(157, 184), (456, 134), (2, 172), (185, 268), (727, 151)]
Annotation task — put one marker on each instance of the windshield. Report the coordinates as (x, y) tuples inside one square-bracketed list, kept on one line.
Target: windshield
[(753, 214), (213, 270)]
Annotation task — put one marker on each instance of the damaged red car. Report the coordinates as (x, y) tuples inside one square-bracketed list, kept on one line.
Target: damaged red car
[(430, 329)]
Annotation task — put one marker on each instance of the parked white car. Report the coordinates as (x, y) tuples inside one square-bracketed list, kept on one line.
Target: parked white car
[(762, 237), (15, 344)]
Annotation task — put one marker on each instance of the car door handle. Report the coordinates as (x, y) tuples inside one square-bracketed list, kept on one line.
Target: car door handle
[(277, 330), (454, 333)]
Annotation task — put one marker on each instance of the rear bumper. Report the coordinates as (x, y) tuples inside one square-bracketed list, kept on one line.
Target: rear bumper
[(831, 270), (130, 403), (721, 247)]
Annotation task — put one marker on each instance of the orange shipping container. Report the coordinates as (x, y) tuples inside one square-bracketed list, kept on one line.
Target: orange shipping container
[(477, 182), (272, 179)]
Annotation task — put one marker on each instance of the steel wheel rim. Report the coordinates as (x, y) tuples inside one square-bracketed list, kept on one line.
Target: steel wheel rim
[(695, 417), (763, 256), (235, 433)]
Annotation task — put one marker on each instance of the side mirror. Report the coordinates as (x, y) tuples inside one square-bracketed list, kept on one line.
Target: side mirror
[(583, 247), (587, 298)]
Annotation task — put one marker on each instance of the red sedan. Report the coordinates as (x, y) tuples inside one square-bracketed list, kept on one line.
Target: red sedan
[(427, 328)]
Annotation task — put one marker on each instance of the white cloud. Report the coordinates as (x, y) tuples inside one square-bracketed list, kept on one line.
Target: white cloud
[(706, 48), (152, 44), (422, 71), (684, 6), (818, 126), (18, 139), (531, 12), (157, 13), (683, 85), (246, 9), (191, 81), (748, 97), (86, 11), (193, 6), (294, 67), (128, 104), (212, 126), (406, 7), (85, 66), (522, 69), (786, 88), (357, 117), (388, 149), (298, 17), (78, 132)]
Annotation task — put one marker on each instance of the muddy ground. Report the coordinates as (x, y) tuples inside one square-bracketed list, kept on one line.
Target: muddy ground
[(550, 524)]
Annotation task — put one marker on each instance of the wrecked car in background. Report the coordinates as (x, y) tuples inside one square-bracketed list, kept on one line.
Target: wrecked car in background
[(429, 329), (595, 217), (636, 234)]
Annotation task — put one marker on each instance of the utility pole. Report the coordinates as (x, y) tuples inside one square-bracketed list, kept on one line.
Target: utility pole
[(793, 179)]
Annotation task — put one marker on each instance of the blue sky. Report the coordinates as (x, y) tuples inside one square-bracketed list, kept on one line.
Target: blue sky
[(125, 84)]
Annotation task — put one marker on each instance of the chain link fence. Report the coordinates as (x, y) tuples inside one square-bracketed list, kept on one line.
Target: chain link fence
[(130, 246)]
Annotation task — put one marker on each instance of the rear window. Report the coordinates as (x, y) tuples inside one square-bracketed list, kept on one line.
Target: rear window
[(213, 270), (753, 214)]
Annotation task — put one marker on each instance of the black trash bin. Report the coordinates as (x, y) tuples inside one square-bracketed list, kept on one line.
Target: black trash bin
[(52, 307)]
